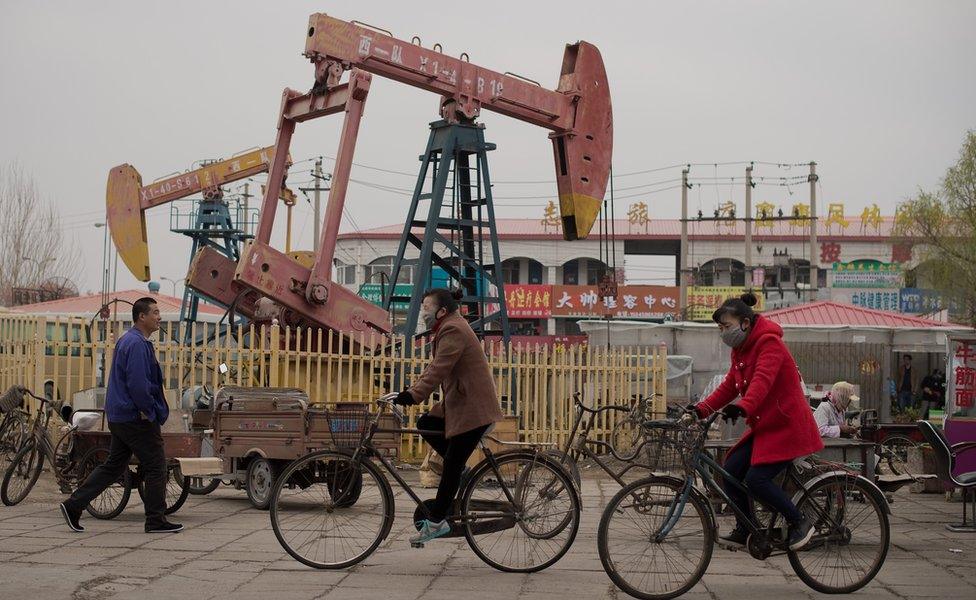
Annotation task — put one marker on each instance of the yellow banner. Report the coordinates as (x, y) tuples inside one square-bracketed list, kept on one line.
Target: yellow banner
[(703, 300)]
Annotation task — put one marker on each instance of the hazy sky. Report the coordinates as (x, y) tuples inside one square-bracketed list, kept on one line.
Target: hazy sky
[(880, 94)]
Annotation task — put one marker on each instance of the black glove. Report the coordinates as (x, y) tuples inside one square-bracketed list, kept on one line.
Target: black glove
[(404, 399), (732, 412), (693, 409)]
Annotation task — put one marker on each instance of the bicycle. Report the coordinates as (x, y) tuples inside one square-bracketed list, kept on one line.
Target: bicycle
[(13, 427), (578, 444), (36, 446), (518, 510), (656, 535)]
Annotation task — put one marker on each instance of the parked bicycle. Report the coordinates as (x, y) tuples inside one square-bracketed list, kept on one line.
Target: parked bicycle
[(36, 447), (73, 455), (656, 535), (631, 444), (518, 509), (13, 427)]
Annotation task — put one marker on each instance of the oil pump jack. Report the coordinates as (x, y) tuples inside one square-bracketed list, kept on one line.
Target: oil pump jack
[(577, 113)]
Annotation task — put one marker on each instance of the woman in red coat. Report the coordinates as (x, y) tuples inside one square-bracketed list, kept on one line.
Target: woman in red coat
[(781, 424)]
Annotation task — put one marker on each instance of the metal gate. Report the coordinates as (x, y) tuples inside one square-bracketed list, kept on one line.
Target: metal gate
[(829, 362)]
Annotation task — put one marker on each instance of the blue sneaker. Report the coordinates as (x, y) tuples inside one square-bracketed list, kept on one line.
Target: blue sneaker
[(429, 530)]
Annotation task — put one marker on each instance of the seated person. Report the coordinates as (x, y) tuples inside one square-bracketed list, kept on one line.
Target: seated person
[(830, 417)]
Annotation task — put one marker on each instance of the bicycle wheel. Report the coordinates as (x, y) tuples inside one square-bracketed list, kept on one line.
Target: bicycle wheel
[(13, 431), (566, 462), (637, 561), (177, 489), (22, 473), (894, 454), (523, 518), (626, 434), (851, 539), (111, 502), (312, 517), (198, 486)]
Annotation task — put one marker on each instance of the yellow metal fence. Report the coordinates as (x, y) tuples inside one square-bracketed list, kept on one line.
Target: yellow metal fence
[(536, 384)]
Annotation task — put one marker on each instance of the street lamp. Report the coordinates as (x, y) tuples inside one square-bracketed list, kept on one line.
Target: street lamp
[(104, 263), (173, 281)]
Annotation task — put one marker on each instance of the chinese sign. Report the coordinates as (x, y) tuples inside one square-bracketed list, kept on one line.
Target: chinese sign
[(918, 301), (641, 301), (871, 217), (801, 216), (764, 215), (528, 301), (867, 275), (551, 218), (835, 214), (961, 378), (877, 299), (703, 300), (637, 215), (374, 293)]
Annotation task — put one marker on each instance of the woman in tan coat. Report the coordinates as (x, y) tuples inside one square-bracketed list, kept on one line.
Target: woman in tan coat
[(469, 405)]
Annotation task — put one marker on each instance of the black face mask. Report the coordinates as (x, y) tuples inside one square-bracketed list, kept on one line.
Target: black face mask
[(733, 337)]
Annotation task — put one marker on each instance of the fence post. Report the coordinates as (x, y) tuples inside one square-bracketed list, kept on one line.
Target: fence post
[(40, 342), (273, 375)]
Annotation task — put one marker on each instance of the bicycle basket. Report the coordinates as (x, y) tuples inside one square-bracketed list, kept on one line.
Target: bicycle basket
[(669, 447), (347, 424), (10, 400)]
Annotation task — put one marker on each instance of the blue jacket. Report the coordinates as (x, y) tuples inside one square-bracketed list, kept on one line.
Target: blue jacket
[(135, 384)]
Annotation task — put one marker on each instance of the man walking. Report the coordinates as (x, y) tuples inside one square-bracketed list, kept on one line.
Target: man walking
[(906, 383), (135, 409)]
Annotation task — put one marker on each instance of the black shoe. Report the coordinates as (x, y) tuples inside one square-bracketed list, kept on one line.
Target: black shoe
[(165, 527), (800, 534), (735, 539), (72, 517)]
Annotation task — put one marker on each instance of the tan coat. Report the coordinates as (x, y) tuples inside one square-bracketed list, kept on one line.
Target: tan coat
[(460, 368)]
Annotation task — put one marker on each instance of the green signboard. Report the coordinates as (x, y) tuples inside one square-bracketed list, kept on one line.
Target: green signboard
[(374, 293)]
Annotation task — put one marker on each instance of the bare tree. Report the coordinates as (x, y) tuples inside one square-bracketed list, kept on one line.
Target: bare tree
[(33, 246), (943, 224)]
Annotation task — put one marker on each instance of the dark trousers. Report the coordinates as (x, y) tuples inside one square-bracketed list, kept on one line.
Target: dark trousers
[(455, 451), (145, 440), (759, 481)]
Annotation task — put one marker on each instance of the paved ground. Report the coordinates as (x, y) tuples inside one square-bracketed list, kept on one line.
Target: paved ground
[(229, 551)]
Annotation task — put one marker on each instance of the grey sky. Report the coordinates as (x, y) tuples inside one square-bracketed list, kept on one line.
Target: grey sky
[(878, 93)]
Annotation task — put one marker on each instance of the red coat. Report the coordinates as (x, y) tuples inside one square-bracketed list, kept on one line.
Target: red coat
[(765, 375)]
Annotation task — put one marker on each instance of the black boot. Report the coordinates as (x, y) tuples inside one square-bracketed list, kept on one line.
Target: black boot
[(73, 517), (735, 539)]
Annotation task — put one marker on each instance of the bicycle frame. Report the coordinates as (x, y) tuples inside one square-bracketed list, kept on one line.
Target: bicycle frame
[(366, 451), (576, 448), (704, 466)]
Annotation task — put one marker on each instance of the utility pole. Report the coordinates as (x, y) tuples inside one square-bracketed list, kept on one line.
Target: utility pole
[(247, 197), (683, 253), (748, 224), (318, 177), (814, 255)]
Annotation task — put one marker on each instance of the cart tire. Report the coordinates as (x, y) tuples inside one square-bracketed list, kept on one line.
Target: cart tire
[(111, 502), (177, 489), (259, 481), (197, 487)]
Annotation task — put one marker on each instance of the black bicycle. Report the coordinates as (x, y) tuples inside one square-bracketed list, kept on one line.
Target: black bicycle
[(657, 534), (518, 509)]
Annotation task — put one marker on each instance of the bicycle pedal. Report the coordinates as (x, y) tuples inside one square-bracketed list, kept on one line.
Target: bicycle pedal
[(418, 545)]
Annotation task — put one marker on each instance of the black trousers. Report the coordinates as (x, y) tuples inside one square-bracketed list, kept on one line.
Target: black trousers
[(759, 480), (145, 440), (455, 451)]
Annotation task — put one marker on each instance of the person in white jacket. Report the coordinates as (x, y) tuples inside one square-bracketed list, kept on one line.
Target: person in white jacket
[(830, 414)]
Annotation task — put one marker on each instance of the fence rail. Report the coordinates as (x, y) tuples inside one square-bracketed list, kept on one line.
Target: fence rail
[(536, 383)]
